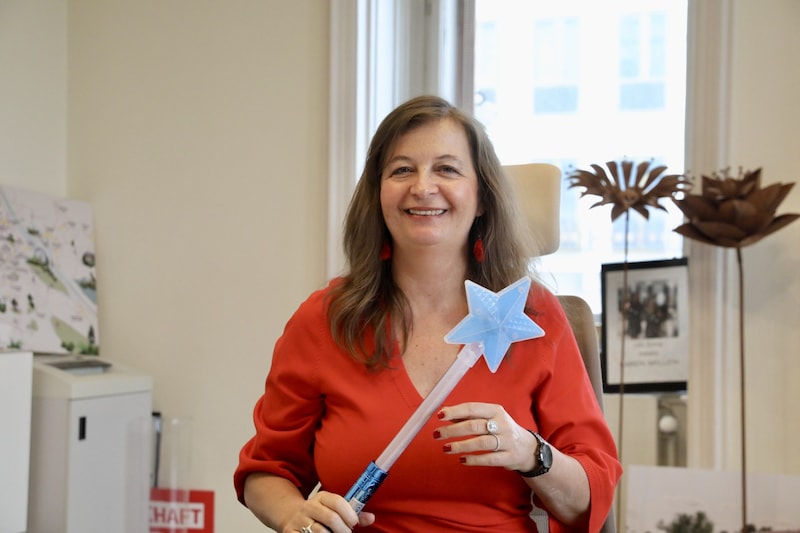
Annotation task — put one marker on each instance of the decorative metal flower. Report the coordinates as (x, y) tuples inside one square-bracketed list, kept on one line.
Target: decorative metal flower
[(734, 212), (628, 185)]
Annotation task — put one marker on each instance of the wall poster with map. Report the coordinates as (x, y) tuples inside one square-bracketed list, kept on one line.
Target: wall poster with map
[(48, 293)]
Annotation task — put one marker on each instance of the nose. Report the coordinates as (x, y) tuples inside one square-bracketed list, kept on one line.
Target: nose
[(424, 184)]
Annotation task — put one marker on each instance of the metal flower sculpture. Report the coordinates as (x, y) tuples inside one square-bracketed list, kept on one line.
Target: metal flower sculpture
[(733, 213), (625, 189), (627, 185)]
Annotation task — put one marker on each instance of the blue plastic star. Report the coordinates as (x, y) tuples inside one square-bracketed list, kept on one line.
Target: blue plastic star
[(495, 319)]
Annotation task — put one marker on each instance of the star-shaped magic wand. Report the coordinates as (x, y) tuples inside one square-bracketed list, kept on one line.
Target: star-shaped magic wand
[(494, 321)]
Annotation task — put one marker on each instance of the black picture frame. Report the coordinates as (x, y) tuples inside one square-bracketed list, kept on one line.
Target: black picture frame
[(656, 340)]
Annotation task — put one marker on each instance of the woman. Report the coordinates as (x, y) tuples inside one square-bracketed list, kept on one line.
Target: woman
[(431, 210)]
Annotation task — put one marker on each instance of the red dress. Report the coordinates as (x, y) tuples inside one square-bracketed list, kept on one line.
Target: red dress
[(324, 417)]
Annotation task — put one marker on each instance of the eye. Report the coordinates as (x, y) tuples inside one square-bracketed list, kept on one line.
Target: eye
[(400, 171), (449, 169)]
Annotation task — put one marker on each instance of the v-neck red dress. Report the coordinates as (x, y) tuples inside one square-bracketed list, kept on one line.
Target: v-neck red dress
[(324, 417)]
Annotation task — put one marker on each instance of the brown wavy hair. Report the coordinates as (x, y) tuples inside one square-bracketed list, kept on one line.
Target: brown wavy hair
[(367, 297)]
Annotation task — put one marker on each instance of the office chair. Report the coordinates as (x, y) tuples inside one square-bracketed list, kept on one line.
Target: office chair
[(538, 187)]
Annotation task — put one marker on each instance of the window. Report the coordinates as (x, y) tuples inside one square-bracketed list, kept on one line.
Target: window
[(580, 82), (555, 62), (642, 66)]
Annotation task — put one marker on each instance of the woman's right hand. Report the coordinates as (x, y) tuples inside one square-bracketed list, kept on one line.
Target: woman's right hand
[(277, 503), (326, 511)]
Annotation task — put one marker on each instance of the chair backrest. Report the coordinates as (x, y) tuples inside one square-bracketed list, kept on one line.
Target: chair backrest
[(581, 319), (538, 186)]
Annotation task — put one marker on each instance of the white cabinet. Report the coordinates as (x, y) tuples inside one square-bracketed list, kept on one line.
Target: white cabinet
[(15, 439), (90, 462)]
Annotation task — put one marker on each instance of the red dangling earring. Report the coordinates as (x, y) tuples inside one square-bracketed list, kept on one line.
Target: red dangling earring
[(477, 250), (386, 251)]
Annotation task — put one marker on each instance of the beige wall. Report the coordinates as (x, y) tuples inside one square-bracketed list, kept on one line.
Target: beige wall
[(33, 94), (197, 130), (765, 130)]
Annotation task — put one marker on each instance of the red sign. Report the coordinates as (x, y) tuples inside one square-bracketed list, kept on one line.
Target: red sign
[(189, 511)]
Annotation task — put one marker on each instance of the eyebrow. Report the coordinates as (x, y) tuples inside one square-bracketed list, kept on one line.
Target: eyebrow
[(438, 159)]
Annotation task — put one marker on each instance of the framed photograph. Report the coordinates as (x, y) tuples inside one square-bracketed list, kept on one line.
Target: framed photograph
[(651, 316)]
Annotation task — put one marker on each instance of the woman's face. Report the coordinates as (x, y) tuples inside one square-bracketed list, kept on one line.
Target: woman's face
[(429, 189)]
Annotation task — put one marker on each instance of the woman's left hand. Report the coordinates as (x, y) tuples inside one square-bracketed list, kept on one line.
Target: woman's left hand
[(492, 437)]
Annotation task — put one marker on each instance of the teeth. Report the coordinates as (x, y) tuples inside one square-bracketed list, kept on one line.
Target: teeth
[(426, 212)]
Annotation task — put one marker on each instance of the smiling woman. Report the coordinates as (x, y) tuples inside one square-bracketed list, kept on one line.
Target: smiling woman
[(429, 190), (365, 351)]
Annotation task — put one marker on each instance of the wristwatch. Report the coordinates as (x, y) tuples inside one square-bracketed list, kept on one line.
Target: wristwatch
[(544, 458)]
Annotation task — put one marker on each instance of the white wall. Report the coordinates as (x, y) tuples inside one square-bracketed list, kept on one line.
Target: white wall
[(198, 133)]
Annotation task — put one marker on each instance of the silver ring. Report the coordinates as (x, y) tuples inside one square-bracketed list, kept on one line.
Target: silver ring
[(497, 446), (491, 427), (307, 529)]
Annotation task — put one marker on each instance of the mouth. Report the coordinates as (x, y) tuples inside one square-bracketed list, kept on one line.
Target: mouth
[(426, 212)]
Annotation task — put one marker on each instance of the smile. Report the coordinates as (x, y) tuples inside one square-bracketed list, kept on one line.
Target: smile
[(426, 212)]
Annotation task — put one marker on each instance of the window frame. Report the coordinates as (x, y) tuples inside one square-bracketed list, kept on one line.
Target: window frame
[(381, 54)]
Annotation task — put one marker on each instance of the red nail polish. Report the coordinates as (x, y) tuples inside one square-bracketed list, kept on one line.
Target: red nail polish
[(440, 415), (437, 434), (447, 448), (462, 460)]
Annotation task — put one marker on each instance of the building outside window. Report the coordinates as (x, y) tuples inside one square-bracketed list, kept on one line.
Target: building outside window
[(580, 82)]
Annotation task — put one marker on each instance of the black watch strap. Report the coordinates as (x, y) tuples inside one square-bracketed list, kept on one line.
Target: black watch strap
[(543, 455)]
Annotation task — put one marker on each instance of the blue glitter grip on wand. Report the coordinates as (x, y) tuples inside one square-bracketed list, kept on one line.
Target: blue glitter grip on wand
[(365, 487)]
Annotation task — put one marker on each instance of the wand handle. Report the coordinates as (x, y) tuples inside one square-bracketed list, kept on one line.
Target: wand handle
[(377, 471), (365, 487)]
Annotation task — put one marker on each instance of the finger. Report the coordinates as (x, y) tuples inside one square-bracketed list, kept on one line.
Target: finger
[(466, 428), (479, 444), (500, 459), (468, 410), (332, 513), (473, 426), (332, 524), (344, 511), (365, 519)]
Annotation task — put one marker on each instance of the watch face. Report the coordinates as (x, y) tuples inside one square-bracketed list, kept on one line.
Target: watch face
[(546, 456)]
